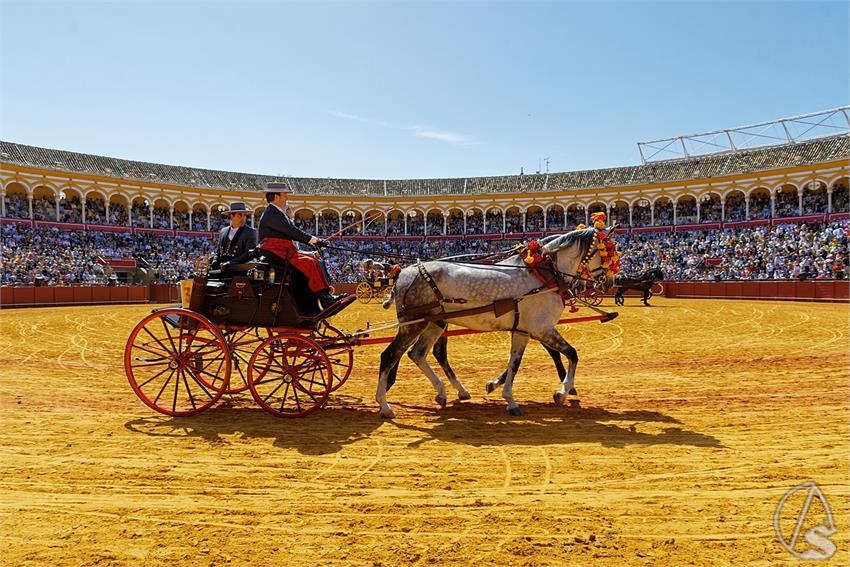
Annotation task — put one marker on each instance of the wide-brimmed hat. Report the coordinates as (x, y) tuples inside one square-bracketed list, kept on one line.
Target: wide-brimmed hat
[(277, 187), (237, 208)]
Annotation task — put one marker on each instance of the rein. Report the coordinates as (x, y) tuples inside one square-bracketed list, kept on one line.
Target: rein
[(451, 259)]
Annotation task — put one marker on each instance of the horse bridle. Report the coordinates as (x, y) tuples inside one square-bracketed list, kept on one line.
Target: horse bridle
[(598, 274)]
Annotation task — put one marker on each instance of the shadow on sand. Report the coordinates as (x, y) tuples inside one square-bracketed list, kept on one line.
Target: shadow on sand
[(548, 424), (478, 424)]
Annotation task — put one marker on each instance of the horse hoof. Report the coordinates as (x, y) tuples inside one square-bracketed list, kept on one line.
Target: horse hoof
[(559, 398), (490, 386), (387, 413), (515, 411), (441, 401), (573, 392), (462, 396)]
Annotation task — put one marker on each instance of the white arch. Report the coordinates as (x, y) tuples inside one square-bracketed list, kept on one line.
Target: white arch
[(756, 188)]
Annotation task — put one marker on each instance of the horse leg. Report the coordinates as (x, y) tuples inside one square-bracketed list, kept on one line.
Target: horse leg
[(618, 296), (559, 364), (646, 296), (556, 358), (491, 385), (518, 343), (419, 354), (390, 358), (441, 354), (553, 339)]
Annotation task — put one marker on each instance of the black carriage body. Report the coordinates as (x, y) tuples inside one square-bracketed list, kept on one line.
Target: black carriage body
[(277, 297)]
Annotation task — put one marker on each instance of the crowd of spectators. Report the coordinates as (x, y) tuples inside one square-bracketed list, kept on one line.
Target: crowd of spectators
[(779, 252), (95, 211), (118, 214), (788, 251), (60, 257)]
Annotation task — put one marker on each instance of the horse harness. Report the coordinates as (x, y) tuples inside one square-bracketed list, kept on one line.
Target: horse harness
[(549, 276)]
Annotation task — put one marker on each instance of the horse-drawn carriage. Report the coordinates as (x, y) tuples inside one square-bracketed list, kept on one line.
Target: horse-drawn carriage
[(377, 280), (374, 290), (262, 331)]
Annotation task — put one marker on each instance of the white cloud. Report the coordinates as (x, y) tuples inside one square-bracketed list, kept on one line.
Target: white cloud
[(348, 116), (445, 136), (441, 136)]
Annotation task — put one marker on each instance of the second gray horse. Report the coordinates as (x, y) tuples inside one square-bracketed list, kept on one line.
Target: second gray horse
[(535, 315)]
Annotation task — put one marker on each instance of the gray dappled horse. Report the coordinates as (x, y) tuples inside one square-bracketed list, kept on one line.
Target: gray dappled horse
[(535, 316)]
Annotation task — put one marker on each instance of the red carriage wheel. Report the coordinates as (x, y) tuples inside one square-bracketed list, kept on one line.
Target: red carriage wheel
[(657, 289), (339, 352), (177, 362), (289, 375)]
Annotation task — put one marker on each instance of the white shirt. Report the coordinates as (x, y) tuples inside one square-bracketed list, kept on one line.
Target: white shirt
[(231, 233)]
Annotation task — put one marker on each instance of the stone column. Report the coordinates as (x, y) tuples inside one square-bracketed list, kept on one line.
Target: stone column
[(29, 201)]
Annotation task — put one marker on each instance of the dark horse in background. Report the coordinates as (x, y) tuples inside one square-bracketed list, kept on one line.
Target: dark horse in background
[(643, 282)]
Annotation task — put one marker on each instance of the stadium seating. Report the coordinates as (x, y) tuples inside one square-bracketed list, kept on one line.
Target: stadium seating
[(762, 252)]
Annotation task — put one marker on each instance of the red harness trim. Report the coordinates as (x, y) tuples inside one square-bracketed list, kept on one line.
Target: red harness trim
[(549, 279)]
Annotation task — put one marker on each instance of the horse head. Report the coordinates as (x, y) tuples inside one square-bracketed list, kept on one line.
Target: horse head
[(653, 274), (576, 250)]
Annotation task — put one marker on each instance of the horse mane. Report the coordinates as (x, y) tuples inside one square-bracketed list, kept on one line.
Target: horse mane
[(583, 238)]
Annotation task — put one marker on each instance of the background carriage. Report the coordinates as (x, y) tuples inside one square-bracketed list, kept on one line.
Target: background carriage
[(374, 290), (377, 280)]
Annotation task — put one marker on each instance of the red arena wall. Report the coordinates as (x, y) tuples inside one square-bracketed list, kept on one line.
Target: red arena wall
[(807, 290)]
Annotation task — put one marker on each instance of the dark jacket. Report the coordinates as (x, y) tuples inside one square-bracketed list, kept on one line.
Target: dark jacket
[(238, 250), (275, 224)]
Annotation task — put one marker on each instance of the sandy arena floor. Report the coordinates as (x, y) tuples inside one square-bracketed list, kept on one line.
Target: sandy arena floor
[(695, 417)]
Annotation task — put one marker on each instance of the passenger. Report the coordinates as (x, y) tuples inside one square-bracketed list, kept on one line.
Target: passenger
[(237, 241), (277, 232)]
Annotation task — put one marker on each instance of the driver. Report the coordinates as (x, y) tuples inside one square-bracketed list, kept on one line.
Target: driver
[(276, 235)]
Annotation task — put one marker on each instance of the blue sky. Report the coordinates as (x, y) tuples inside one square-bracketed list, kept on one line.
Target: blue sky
[(407, 90)]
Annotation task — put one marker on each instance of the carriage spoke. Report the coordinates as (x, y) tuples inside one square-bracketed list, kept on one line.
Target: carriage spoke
[(198, 381), (283, 398), (147, 364), (159, 342), (156, 399), (272, 393), (297, 401), (148, 350), (168, 334), (155, 376), (188, 390)]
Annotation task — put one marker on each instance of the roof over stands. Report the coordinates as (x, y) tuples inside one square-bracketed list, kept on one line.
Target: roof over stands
[(707, 166)]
